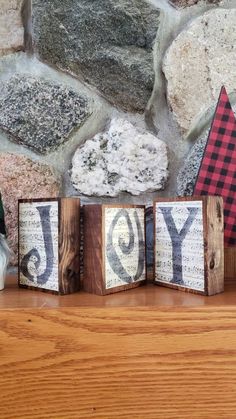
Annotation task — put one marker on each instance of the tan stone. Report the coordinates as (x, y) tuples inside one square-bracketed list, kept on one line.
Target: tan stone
[(11, 28), (186, 3), (22, 178), (199, 61)]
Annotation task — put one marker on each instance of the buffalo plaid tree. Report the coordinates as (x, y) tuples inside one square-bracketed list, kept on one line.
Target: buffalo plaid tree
[(217, 173)]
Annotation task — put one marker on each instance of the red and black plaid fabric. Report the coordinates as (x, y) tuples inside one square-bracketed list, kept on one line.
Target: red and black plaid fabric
[(217, 174)]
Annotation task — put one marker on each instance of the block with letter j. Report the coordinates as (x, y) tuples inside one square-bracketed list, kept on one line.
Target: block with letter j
[(189, 244), (49, 244)]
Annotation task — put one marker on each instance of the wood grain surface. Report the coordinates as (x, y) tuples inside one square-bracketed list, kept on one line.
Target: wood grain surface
[(139, 363), (69, 245), (150, 295), (92, 251), (215, 244), (230, 262)]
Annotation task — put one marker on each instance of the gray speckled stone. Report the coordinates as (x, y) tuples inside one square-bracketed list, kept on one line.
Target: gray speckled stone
[(188, 173), (108, 43), (40, 114)]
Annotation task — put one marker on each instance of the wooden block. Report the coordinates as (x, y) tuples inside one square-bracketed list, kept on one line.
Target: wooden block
[(49, 244), (114, 248), (189, 244), (230, 263)]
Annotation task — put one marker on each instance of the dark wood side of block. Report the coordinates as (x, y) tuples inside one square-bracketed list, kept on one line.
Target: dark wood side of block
[(18, 244), (92, 253), (230, 263), (214, 234), (69, 245), (133, 284)]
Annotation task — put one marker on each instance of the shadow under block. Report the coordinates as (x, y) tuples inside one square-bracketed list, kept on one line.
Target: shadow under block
[(49, 245), (189, 244), (114, 248)]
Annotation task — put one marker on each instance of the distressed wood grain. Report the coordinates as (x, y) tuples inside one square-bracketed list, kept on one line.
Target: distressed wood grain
[(92, 250), (215, 245), (230, 262), (69, 246), (118, 363)]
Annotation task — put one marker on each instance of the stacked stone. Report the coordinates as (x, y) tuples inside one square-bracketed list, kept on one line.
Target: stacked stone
[(122, 82)]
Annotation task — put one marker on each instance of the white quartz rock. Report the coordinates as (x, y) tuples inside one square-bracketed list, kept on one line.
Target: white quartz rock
[(122, 159)]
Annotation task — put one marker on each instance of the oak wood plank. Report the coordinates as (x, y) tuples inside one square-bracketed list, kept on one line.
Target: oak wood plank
[(118, 363)]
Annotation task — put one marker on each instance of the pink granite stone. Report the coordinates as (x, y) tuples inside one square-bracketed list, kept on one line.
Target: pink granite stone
[(11, 27), (22, 178)]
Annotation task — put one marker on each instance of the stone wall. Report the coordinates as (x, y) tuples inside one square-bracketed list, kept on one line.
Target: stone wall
[(105, 99)]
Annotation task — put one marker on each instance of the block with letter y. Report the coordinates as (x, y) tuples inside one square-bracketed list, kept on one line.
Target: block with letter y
[(189, 244)]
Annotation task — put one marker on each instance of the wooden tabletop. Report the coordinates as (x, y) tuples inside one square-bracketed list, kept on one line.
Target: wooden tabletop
[(163, 357), (149, 295)]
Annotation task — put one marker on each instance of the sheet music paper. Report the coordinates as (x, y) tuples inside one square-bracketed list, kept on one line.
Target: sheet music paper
[(38, 244), (187, 268), (124, 246)]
